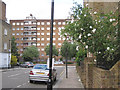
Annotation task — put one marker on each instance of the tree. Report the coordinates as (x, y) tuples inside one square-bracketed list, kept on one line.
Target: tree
[(68, 50), (14, 49), (13, 60), (80, 55), (55, 51), (30, 53), (95, 32)]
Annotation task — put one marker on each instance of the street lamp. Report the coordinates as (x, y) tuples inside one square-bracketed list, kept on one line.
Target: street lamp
[(49, 84), (9, 52)]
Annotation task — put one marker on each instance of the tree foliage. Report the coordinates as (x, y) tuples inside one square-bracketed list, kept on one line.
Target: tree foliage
[(80, 55), (55, 50), (94, 31), (14, 49), (68, 50), (30, 53)]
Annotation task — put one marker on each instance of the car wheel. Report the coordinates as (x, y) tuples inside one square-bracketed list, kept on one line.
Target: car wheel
[(31, 81)]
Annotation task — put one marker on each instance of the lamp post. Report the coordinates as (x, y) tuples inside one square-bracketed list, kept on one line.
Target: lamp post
[(9, 53), (49, 84)]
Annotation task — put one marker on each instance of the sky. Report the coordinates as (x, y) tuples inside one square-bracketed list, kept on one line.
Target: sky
[(41, 9)]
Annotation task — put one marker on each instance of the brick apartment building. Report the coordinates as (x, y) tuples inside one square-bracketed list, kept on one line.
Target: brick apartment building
[(102, 6), (32, 31), (5, 36)]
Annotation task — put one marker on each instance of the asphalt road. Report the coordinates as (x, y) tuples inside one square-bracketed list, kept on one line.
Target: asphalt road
[(19, 78)]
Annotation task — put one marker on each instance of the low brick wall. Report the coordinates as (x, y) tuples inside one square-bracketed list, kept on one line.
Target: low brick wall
[(93, 77)]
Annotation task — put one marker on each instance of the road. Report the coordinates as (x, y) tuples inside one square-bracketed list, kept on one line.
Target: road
[(19, 78)]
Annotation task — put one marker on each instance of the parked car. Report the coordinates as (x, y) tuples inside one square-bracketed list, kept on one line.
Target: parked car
[(27, 64), (40, 72)]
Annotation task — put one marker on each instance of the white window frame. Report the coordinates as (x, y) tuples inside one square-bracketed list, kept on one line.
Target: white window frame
[(5, 32), (42, 39), (13, 23), (42, 23), (42, 33), (5, 46), (42, 28)]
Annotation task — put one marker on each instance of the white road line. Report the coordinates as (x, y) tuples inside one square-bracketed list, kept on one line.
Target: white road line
[(62, 72), (14, 75), (19, 85)]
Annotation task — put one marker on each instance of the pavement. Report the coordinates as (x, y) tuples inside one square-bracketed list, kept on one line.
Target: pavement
[(73, 80)]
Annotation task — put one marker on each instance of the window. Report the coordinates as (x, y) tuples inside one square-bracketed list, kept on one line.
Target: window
[(13, 29), (59, 38), (21, 38), (58, 33), (5, 32), (53, 33), (42, 49), (17, 44), (63, 28), (42, 23), (48, 33), (48, 44), (42, 28), (54, 28), (42, 39), (21, 49), (38, 23), (59, 50), (21, 33), (21, 28), (17, 34), (13, 34), (17, 28), (38, 39), (48, 23), (21, 23), (21, 44), (5, 46), (18, 24), (42, 44), (54, 23), (59, 44), (38, 44), (38, 33), (63, 38), (63, 23), (59, 23), (42, 54), (13, 23), (17, 38), (48, 39), (48, 28), (38, 28), (42, 33), (54, 39)]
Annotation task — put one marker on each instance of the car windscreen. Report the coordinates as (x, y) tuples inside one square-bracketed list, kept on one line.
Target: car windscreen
[(40, 66)]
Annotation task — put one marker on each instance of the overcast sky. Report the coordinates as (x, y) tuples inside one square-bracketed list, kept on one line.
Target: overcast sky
[(41, 9)]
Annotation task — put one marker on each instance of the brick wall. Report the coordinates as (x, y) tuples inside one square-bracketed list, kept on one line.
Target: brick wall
[(93, 77)]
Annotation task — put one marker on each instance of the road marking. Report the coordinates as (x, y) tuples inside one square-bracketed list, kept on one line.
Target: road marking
[(14, 75), (19, 85), (62, 72)]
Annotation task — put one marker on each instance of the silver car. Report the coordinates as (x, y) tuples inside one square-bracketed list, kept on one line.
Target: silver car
[(40, 72)]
